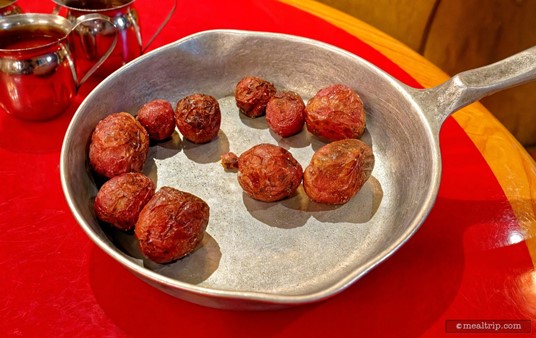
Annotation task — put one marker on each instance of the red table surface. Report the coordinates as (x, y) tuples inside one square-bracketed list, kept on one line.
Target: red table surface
[(464, 263)]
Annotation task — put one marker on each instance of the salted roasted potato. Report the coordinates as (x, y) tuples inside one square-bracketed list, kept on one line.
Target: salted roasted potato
[(252, 95), (171, 225), (198, 117), (285, 113), (269, 173), (335, 113), (119, 201), (158, 118), (119, 144), (337, 171)]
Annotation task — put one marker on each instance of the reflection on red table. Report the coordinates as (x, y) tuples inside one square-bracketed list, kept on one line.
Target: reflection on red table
[(469, 261)]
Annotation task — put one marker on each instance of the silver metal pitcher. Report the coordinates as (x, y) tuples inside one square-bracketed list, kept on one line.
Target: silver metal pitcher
[(125, 19), (38, 76)]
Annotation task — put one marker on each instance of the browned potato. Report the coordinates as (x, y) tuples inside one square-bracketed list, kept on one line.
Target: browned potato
[(120, 200), (229, 161), (252, 95), (119, 144), (338, 171), (335, 113), (285, 113), (158, 118), (269, 173), (171, 225), (198, 118)]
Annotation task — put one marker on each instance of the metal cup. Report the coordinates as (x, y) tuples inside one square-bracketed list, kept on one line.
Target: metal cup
[(38, 77), (8, 7), (125, 20)]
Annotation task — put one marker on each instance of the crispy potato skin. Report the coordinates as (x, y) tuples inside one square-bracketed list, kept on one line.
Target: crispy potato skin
[(198, 117), (119, 144), (269, 173), (121, 198), (157, 116), (335, 113), (252, 95), (285, 113), (229, 161), (337, 171), (171, 225)]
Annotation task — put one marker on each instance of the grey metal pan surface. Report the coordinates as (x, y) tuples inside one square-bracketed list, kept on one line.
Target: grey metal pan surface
[(259, 255)]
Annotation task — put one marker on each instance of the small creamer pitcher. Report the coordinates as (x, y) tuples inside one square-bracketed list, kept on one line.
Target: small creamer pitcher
[(125, 20), (38, 76)]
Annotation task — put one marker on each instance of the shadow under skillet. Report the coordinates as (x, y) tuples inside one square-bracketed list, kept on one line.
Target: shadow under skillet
[(136, 309)]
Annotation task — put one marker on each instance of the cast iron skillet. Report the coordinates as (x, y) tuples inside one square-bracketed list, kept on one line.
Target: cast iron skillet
[(258, 255)]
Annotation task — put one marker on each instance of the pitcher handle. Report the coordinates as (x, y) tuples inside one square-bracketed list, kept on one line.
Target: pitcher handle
[(56, 9), (162, 25), (92, 17)]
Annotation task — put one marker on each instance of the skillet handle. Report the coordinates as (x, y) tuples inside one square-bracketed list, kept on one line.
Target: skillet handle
[(472, 85)]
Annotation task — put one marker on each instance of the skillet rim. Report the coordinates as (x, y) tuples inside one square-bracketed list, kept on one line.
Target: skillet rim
[(251, 299)]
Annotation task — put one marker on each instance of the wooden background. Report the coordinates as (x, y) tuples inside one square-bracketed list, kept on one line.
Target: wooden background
[(457, 35)]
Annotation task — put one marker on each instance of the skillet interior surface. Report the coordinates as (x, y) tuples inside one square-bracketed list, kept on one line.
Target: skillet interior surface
[(288, 252)]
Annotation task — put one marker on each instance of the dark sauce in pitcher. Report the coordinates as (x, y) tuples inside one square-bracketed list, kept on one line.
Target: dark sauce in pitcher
[(29, 37), (94, 4)]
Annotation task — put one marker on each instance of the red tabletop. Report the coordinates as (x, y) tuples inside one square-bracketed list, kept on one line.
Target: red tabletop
[(469, 260)]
